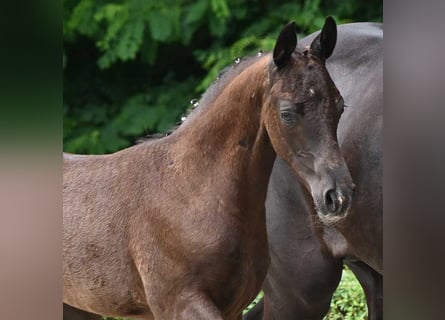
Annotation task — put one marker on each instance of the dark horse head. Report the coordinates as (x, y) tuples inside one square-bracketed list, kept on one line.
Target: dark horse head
[(305, 107)]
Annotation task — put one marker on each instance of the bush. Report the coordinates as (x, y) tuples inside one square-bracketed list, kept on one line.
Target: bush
[(348, 302), (119, 80)]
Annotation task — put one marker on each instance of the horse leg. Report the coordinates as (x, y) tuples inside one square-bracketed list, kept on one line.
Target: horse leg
[(199, 309), (183, 306), (372, 284), (300, 287), (71, 313)]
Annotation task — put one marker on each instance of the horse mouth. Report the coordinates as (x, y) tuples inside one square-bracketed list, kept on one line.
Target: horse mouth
[(331, 219)]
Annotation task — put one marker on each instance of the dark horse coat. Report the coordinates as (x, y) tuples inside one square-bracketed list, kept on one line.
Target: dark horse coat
[(306, 255)]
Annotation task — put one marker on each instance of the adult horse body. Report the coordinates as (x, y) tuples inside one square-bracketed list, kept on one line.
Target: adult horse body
[(306, 256), (175, 228)]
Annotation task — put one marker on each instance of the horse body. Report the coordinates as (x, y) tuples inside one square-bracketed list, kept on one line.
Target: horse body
[(151, 236), (306, 255), (175, 228), (360, 136), (302, 273)]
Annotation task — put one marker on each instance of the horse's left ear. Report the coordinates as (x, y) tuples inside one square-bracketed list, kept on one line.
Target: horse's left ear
[(285, 45), (323, 45)]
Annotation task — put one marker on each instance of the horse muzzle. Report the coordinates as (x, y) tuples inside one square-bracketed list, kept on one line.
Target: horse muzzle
[(334, 205)]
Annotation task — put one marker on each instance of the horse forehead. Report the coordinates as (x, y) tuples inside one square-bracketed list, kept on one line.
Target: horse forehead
[(306, 76), (311, 80)]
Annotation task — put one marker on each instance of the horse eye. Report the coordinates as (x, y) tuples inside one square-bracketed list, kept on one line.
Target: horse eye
[(288, 117)]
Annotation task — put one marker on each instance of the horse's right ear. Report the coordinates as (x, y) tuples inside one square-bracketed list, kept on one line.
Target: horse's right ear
[(285, 45)]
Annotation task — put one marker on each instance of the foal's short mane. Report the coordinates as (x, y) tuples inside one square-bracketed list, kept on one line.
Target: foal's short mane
[(224, 78), (227, 75), (214, 90)]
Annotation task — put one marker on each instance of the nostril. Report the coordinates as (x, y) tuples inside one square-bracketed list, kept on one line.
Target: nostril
[(331, 201)]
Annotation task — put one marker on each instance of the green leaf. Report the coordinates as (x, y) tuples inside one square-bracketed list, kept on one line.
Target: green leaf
[(82, 19), (161, 25), (220, 8), (131, 40), (196, 11), (194, 17)]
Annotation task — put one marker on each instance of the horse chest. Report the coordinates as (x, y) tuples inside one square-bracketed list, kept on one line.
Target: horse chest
[(247, 280), (242, 273)]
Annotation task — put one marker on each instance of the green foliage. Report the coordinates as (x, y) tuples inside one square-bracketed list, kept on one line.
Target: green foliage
[(119, 29), (348, 302), (102, 129), (131, 66)]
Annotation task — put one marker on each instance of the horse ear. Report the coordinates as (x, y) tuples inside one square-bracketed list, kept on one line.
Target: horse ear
[(285, 45), (323, 45)]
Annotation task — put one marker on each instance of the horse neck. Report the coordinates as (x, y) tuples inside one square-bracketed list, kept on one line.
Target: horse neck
[(228, 138)]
